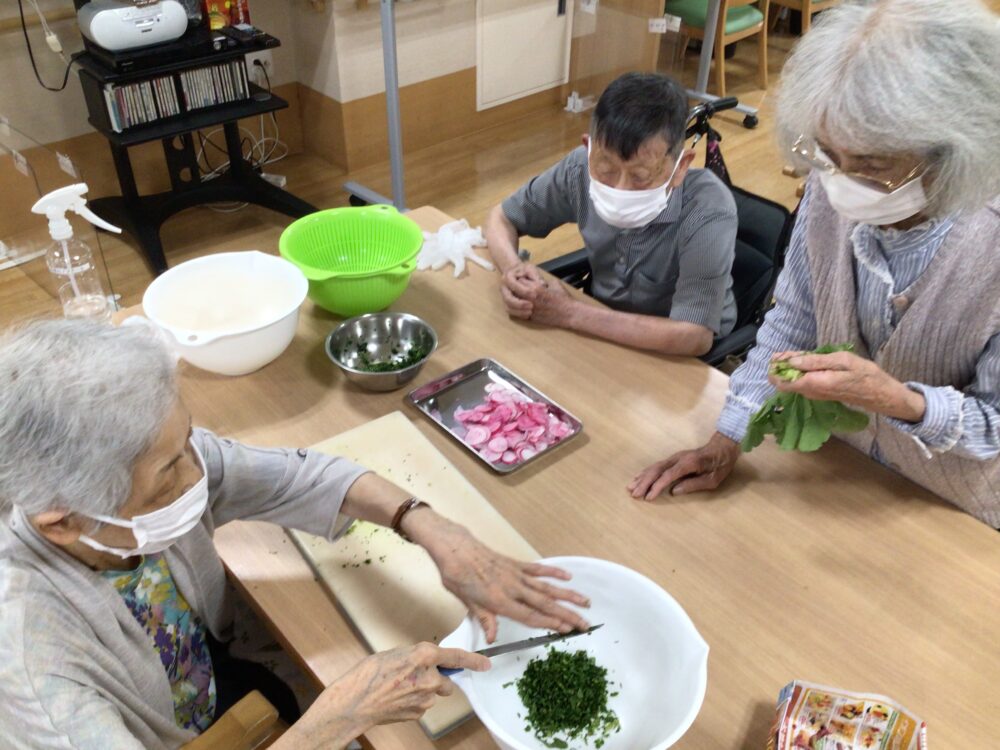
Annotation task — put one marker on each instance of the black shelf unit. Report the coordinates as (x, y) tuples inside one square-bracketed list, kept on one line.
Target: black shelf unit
[(143, 215)]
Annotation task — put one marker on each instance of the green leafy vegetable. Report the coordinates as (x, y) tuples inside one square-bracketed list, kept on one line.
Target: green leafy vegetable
[(396, 362), (566, 695), (799, 423)]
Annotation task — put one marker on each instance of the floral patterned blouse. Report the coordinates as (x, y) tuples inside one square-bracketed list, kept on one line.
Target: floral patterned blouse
[(177, 634)]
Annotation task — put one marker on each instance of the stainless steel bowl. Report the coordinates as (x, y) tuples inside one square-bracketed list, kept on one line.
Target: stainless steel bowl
[(380, 337)]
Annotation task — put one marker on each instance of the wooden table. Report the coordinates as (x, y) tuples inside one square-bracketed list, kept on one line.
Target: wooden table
[(823, 567)]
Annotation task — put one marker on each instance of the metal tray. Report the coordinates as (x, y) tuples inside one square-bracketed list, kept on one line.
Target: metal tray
[(466, 387)]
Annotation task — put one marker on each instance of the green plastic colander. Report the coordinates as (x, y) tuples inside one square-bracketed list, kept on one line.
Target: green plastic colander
[(357, 260)]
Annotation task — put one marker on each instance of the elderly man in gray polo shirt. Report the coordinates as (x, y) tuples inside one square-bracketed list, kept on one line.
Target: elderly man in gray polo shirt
[(660, 236)]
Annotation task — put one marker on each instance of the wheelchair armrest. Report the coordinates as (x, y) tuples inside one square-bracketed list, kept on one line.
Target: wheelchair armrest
[(735, 343), (568, 264)]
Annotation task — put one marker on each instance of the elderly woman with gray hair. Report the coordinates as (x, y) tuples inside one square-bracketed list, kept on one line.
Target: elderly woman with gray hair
[(895, 105), (113, 602)]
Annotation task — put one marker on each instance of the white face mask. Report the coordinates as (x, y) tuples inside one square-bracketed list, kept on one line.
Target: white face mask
[(156, 531), (630, 209), (867, 205)]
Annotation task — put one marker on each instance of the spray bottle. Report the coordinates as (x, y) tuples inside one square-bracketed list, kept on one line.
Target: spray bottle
[(70, 260)]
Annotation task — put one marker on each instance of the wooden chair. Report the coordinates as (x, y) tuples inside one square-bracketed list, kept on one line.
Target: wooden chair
[(805, 7), (738, 19), (252, 724)]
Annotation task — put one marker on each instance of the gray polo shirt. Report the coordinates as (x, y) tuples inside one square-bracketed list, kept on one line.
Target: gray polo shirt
[(678, 266)]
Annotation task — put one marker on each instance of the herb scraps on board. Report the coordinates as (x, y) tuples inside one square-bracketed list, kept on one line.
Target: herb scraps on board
[(799, 423), (366, 533), (566, 695), (399, 360)]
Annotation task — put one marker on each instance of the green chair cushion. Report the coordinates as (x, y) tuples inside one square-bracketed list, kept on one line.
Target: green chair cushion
[(693, 13)]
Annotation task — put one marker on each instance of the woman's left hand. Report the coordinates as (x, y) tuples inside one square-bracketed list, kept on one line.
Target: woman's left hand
[(491, 584), (851, 380)]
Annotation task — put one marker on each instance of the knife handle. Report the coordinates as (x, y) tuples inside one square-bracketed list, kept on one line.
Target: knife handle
[(449, 671)]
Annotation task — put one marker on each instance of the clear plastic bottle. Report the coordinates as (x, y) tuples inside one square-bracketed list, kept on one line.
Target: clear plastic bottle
[(80, 290), (71, 261)]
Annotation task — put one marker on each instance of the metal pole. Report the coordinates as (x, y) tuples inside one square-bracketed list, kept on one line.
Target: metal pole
[(392, 102), (392, 116), (705, 62), (708, 44)]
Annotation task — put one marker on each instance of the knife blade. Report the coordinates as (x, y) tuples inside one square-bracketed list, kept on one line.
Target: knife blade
[(538, 640)]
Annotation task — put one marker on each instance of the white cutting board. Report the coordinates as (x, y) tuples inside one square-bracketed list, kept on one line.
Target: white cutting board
[(397, 599)]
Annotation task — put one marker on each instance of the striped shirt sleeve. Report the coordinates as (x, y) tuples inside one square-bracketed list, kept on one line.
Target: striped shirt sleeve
[(705, 268), (546, 201), (789, 326), (963, 423)]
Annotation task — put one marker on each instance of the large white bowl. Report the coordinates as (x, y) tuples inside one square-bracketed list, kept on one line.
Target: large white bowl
[(229, 313), (648, 644)]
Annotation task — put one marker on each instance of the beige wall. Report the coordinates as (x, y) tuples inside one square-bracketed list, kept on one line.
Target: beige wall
[(47, 116), (51, 117), (314, 38), (340, 48)]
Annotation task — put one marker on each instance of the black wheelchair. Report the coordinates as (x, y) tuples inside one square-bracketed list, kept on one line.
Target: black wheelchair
[(762, 237)]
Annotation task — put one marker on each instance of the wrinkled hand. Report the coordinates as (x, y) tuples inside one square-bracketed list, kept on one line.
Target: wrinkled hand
[(552, 305), (519, 284), (851, 380), (397, 685), (689, 471), (491, 584)]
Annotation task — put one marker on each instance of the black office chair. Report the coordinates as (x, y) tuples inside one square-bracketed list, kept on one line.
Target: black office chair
[(764, 228)]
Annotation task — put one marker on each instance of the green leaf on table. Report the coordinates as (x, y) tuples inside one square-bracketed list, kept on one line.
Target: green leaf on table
[(796, 422), (794, 412), (849, 420), (814, 435), (754, 436)]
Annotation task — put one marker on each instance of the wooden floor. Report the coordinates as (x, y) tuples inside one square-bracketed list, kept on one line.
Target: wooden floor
[(463, 177)]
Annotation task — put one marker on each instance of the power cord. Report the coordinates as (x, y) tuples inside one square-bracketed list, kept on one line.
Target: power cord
[(51, 39), (258, 150)]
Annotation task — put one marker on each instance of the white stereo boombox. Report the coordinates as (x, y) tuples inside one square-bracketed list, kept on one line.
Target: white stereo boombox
[(119, 25)]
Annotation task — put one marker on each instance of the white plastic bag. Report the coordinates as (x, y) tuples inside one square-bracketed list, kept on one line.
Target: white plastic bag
[(453, 243)]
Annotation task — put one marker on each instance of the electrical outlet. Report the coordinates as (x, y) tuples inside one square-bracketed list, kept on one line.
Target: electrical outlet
[(266, 62)]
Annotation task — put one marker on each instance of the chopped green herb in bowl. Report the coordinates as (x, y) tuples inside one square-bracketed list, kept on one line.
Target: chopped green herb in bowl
[(397, 361), (566, 695), (381, 351)]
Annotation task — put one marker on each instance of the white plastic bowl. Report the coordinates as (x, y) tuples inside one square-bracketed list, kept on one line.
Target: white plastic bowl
[(648, 643), (229, 313)]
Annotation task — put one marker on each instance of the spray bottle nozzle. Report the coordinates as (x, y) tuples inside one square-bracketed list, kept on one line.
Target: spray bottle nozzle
[(54, 205)]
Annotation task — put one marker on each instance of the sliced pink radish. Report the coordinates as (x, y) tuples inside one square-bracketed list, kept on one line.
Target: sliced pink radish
[(525, 423), (498, 444), (510, 427), (477, 436)]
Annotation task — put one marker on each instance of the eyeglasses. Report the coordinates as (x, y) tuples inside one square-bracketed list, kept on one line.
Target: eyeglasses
[(810, 151)]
